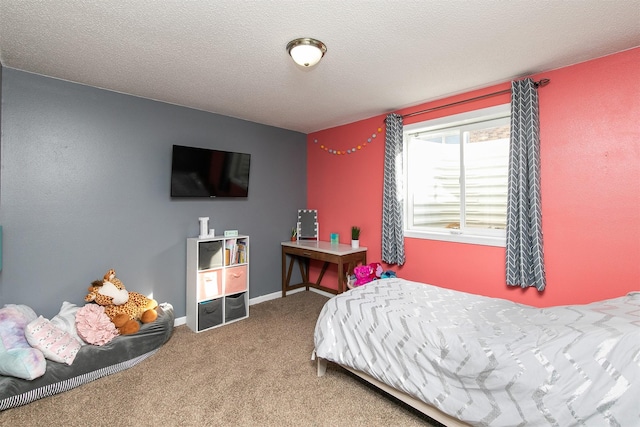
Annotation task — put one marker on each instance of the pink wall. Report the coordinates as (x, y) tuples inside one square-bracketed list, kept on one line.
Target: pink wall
[(590, 164)]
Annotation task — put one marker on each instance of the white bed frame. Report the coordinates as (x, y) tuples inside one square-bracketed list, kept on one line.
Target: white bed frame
[(419, 405)]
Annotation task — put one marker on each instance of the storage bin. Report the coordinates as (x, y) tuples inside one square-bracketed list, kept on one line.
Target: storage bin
[(209, 314), (210, 254), (235, 279), (209, 285), (235, 307)]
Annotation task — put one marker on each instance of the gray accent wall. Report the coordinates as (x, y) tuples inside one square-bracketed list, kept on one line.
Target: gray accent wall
[(84, 187)]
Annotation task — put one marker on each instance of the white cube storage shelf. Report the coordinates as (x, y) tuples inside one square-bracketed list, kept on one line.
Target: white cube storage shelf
[(217, 281)]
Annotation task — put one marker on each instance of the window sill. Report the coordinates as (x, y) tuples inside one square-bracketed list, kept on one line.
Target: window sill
[(458, 238)]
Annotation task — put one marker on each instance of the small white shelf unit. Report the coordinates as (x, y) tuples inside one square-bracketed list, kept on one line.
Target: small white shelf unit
[(217, 281)]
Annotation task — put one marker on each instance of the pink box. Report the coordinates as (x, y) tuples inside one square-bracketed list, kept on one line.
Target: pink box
[(235, 279)]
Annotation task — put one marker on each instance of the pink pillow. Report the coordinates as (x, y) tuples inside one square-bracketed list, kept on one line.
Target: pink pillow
[(54, 343), (94, 326)]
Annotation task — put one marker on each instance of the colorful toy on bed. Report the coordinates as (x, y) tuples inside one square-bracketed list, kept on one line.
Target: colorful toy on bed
[(127, 315), (367, 273), (388, 274)]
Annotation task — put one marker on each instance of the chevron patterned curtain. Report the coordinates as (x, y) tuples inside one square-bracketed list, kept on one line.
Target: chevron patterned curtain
[(525, 261), (392, 203)]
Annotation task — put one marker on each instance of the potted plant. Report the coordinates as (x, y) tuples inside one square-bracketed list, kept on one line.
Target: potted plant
[(294, 234), (355, 237)]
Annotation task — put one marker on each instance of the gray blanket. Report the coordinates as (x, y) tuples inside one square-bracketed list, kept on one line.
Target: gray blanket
[(489, 361)]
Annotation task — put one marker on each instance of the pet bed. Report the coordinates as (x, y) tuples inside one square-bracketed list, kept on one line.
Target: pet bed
[(467, 359), (91, 362)]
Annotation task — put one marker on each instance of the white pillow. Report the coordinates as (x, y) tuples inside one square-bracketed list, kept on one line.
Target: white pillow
[(66, 320), (17, 358), (54, 343)]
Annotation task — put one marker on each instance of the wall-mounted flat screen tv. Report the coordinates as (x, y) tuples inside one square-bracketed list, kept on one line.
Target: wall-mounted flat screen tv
[(201, 172)]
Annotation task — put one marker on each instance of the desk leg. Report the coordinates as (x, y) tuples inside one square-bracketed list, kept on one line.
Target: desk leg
[(285, 277), (350, 268), (324, 269), (304, 271), (340, 277), (303, 264)]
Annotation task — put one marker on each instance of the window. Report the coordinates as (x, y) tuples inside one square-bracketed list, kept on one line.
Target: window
[(456, 177)]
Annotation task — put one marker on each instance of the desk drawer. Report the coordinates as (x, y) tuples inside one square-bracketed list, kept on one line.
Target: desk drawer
[(308, 253)]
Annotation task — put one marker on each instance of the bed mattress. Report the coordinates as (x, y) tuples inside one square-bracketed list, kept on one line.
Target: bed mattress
[(91, 362), (489, 361)]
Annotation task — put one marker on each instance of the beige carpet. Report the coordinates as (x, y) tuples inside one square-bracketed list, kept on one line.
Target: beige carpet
[(255, 372)]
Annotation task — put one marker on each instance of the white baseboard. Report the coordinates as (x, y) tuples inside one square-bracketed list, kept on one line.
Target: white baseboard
[(278, 294), (264, 298), (326, 294), (252, 301)]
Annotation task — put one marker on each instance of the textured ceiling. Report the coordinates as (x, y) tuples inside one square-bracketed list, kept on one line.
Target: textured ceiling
[(228, 56)]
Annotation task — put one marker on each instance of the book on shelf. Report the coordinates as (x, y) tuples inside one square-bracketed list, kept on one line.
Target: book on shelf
[(235, 252), (242, 252)]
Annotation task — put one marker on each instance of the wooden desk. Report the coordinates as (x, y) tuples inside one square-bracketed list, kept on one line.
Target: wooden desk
[(305, 250)]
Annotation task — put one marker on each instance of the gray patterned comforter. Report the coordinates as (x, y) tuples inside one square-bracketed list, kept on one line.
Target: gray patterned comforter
[(490, 361)]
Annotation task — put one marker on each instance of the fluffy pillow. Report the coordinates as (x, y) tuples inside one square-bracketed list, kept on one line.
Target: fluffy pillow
[(17, 357), (94, 326), (66, 320), (54, 343)]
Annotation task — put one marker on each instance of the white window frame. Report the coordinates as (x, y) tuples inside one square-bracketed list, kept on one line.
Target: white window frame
[(478, 237)]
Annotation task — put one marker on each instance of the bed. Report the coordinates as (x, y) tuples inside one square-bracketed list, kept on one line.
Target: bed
[(91, 362), (464, 359)]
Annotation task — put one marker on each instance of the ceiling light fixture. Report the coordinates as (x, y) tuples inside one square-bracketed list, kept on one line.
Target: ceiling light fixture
[(306, 52)]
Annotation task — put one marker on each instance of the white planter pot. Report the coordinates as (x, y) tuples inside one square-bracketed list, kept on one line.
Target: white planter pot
[(355, 244)]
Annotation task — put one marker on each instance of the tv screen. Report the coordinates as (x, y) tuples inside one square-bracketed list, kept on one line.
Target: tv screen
[(201, 172)]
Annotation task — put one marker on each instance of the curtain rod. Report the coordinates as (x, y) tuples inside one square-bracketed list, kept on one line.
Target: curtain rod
[(540, 83)]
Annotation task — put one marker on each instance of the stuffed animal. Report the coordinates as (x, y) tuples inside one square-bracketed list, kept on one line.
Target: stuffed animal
[(367, 273), (108, 291), (126, 315), (363, 274)]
